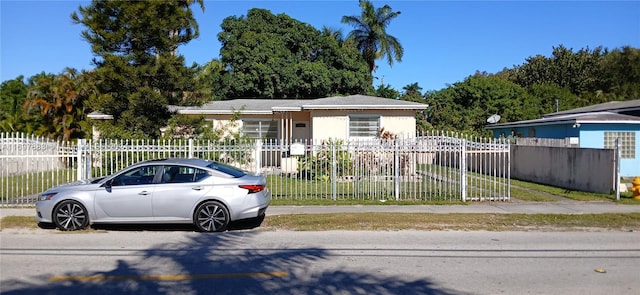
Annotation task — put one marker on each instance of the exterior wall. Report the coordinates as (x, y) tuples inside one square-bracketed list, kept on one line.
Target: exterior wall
[(224, 121), (327, 124), (296, 133), (592, 136), (560, 131), (400, 123), (590, 170)]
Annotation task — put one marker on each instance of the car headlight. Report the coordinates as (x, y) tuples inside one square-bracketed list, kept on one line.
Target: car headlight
[(47, 196)]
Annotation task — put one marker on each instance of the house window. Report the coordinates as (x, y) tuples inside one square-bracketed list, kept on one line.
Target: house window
[(364, 126), (627, 143), (260, 129)]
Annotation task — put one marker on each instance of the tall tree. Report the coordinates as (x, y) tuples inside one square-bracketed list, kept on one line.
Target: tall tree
[(386, 91), (574, 71), (276, 56), (370, 34), (412, 92), (138, 66), (621, 73), (12, 95), (465, 106)]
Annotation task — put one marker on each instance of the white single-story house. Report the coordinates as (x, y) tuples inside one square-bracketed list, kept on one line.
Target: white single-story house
[(346, 118), (596, 126)]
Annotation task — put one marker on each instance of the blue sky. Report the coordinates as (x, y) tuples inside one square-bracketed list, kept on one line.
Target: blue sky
[(444, 41)]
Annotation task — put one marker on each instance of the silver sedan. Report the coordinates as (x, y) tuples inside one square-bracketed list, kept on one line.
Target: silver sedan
[(208, 194)]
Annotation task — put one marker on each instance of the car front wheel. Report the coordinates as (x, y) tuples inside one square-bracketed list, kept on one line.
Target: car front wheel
[(211, 216), (70, 215)]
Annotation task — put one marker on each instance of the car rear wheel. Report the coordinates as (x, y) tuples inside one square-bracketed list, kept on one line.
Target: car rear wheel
[(211, 216), (70, 215)]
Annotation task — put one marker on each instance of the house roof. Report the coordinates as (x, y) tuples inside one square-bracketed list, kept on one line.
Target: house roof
[(612, 107), (572, 119), (268, 106), (601, 113)]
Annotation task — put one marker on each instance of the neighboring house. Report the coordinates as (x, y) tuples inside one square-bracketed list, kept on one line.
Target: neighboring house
[(295, 120), (596, 126)]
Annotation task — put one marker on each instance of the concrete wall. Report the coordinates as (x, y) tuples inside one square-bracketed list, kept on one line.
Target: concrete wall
[(590, 170)]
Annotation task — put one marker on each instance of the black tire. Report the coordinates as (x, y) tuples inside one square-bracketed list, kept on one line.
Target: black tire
[(211, 216), (70, 215)]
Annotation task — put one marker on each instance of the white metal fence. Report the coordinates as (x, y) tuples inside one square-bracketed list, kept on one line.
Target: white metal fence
[(431, 167)]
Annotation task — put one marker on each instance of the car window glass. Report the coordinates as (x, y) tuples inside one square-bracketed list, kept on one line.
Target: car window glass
[(136, 176), (182, 174), (200, 174), (227, 169)]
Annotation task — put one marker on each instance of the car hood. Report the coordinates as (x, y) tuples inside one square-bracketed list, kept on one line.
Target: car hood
[(76, 185)]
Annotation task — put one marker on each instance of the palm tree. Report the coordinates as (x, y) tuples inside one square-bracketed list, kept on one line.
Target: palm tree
[(60, 107), (412, 89), (370, 35), (335, 33)]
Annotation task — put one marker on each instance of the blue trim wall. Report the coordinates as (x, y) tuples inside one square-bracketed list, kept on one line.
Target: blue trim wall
[(590, 135), (559, 131)]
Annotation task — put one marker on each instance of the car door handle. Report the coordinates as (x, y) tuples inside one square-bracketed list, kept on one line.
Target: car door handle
[(196, 188), (144, 193)]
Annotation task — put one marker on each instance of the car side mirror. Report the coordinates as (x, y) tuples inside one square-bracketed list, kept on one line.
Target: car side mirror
[(108, 184)]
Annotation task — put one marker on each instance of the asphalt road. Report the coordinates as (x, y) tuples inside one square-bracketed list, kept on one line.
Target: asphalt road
[(333, 262)]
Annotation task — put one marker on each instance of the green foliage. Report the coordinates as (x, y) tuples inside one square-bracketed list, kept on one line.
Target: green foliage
[(621, 73), (370, 34), (320, 165), (466, 105), (54, 101), (13, 93), (413, 92), (545, 95), (385, 90), (574, 71), (138, 69), (592, 76), (201, 129), (275, 56)]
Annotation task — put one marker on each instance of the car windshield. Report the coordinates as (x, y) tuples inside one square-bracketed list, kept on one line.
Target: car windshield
[(233, 171)]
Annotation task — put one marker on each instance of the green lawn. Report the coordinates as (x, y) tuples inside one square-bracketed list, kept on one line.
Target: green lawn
[(439, 185)]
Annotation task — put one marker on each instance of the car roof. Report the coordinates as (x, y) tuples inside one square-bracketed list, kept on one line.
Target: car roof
[(180, 161)]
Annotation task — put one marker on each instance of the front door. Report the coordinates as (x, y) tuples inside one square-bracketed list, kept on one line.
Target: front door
[(301, 131)]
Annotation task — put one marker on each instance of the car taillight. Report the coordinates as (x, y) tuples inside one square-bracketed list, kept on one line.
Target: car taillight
[(253, 188)]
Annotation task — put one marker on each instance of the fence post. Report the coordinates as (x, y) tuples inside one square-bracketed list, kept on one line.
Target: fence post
[(80, 161), (190, 148), (617, 168), (334, 171), (463, 169), (88, 159), (258, 151), (508, 170), (396, 170)]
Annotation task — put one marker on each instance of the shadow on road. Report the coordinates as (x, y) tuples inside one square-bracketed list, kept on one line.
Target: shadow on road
[(244, 224), (222, 263)]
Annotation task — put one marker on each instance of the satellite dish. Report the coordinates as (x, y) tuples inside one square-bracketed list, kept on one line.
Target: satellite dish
[(493, 119)]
